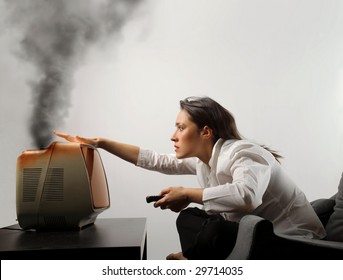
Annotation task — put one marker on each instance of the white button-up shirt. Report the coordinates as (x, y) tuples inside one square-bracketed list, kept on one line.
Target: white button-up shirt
[(244, 178)]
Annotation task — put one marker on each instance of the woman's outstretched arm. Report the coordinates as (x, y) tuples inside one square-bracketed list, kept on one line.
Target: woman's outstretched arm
[(124, 151)]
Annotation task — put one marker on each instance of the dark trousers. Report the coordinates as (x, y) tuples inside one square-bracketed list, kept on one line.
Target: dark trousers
[(205, 237)]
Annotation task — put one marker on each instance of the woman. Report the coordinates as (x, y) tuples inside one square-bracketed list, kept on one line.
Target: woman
[(236, 177)]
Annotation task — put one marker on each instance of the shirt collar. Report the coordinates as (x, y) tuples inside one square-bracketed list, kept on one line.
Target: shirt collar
[(215, 152)]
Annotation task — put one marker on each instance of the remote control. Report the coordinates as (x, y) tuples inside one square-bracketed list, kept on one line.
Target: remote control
[(152, 198)]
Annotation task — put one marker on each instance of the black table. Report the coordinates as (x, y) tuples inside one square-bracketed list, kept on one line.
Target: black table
[(115, 239)]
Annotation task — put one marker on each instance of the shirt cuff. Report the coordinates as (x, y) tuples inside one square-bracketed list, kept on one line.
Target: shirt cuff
[(142, 157)]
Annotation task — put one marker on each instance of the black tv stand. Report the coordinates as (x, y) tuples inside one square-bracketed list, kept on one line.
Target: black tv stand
[(115, 239)]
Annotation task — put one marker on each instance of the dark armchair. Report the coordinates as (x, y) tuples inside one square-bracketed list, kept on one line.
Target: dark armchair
[(257, 240)]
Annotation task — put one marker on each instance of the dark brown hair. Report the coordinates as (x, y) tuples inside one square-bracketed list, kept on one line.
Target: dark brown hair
[(204, 111)]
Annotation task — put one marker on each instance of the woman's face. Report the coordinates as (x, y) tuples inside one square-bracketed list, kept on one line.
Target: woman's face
[(187, 137)]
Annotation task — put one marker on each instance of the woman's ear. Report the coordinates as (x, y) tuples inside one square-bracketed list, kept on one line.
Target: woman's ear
[(207, 132)]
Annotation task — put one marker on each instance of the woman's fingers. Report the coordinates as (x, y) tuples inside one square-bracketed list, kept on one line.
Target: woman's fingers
[(77, 139), (68, 137)]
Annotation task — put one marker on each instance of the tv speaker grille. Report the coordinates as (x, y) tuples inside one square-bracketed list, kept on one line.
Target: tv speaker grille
[(54, 185), (31, 178), (55, 221)]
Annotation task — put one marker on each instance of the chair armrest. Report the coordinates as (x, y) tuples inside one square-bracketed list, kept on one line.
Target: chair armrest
[(323, 208), (256, 240), (253, 233), (313, 242)]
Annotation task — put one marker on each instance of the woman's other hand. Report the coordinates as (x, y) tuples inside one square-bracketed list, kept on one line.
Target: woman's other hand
[(175, 199), (178, 198)]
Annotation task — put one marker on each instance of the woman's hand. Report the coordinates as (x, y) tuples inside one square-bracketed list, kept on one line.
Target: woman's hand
[(77, 139), (124, 151), (175, 199), (178, 198)]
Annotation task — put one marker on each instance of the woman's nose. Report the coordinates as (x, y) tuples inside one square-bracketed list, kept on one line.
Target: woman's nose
[(173, 137)]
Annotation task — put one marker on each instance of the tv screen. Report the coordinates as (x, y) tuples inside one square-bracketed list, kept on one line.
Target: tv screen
[(63, 186)]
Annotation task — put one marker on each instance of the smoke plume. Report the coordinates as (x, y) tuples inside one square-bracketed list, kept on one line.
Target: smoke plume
[(56, 36)]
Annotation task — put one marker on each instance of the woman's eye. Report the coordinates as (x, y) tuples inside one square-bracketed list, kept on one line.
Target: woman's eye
[(181, 128)]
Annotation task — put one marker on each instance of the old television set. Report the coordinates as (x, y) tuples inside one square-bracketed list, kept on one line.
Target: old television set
[(63, 186)]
